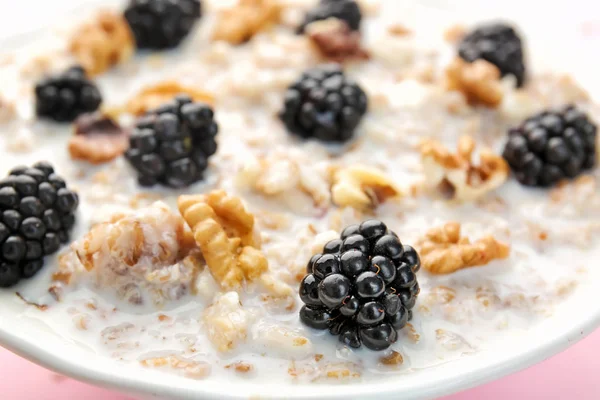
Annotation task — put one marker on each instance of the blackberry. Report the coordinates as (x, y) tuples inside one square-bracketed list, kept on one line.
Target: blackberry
[(171, 145), (162, 24), (362, 294), (345, 10), (498, 44), (65, 96), (37, 212), (551, 146), (324, 104)]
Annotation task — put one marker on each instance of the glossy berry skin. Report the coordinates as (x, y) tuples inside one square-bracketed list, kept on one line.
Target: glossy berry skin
[(333, 290), (345, 10), (551, 146), (316, 318), (498, 44), (365, 283), (66, 96), (36, 211), (323, 104), (161, 24), (171, 145)]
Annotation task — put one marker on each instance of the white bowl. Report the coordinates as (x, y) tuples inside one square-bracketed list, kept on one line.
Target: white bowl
[(562, 49)]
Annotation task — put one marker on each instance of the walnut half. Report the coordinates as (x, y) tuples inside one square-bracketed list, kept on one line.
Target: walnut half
[(102, 43), (362, 187), (457, 174), (224, 231), (155, 95), (478, 81), (443, 250), (239, 23)]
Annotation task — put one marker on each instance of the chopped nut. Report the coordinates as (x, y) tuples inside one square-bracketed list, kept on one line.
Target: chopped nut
[(334, 39), (135, 254), (456, 174), (454, 33), (362, 187), (394, 358), (41, 307), (444, 251), (240, 366), (399, 30), (153, 96), (226, 321), (282, 173), (98, 139), (103, 43), (191, 369), (7, 111), (239, 23), (280, 340), (478, 81), (224, 231)]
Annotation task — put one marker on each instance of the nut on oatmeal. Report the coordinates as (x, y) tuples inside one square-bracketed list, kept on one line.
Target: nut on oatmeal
[(155, 95), (102, 43), (456, 174), (443, 250), (478, 81), (239, 23), (334, 40), (224, 230), (226, 322), (286, 172), (139, 255), (98, 139), (362, 187)]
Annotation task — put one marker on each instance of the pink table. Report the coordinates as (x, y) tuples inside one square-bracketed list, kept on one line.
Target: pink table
[(561, 377)]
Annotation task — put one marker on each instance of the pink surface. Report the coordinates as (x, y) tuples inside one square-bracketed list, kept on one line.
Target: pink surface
[(569, 375)]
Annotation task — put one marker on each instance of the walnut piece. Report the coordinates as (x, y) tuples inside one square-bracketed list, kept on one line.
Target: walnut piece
[(142, 255), (285, 173), (457, 175), (98, 139), (155, 95), (102, 43), (444, 251), (335, 41), (362, 187), (478, 81), (239, 23), (224, 231), (226, 322), (454, 33), (8, 111)]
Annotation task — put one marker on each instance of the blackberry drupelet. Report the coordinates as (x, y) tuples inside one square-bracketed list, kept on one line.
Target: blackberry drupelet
[(551, 146), (324, 104), (498, 44), (66, 96), (37, 213), (345, 10), (363, 287), (162, 24), (171, 145)]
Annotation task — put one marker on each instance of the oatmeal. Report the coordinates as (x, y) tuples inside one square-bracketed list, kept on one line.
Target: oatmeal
[(190, 249)]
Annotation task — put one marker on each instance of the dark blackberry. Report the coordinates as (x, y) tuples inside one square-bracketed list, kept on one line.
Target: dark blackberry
[(36, 211), (172, 144), (324, 104), (162, 24), (498, 44), (345, 10), (66, 96), (363, 294), (551, 146)]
